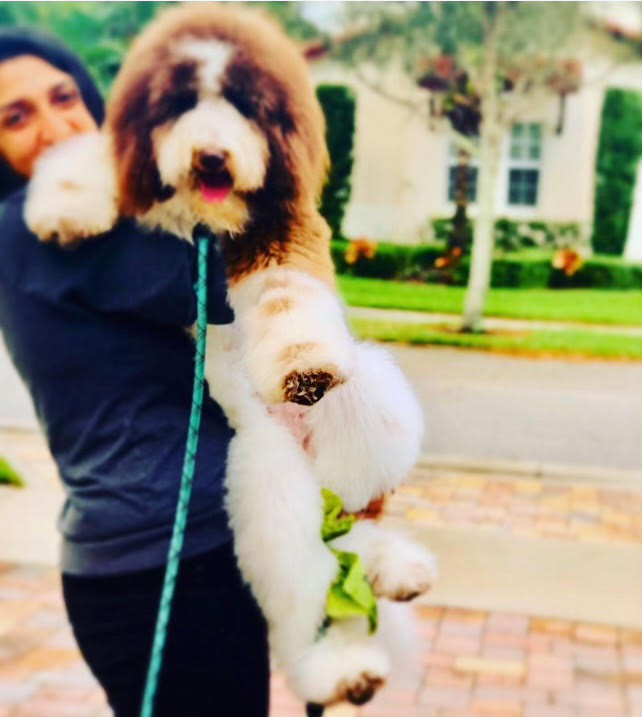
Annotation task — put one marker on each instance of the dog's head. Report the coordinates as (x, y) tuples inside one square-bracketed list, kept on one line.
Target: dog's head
[(213, 114)]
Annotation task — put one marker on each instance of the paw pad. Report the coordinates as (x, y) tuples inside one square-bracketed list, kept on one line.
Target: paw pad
[(308, 387)]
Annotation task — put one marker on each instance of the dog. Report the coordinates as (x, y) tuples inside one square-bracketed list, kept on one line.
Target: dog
[(213, 121)]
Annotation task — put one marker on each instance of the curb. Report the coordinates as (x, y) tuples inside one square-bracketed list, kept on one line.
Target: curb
[(607, 477), (413, 316)]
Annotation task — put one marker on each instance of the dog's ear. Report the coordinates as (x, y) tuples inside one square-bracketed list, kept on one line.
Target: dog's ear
[(302, 149), (138, 178)]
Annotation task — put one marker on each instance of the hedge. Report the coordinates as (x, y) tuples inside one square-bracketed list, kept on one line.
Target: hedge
[(529, 269), (338, 104), (619, 150)]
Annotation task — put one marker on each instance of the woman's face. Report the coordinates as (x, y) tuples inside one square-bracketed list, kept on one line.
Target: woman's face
[(39, 106)]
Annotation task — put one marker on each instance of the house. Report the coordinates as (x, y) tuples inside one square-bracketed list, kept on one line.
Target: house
[(403, 173)]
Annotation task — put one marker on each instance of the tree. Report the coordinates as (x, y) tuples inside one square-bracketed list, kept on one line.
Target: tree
[(101, 32), (513, 55)]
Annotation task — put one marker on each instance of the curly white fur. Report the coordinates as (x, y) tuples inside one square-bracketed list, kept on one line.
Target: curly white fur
[(74, 191), (367, 432), (364, 436), (275, 510), (310, 334)]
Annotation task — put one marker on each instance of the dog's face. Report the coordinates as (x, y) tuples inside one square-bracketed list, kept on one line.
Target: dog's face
[(214, 118)]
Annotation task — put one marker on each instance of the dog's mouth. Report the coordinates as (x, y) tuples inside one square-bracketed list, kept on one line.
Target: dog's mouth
[(214, 185)]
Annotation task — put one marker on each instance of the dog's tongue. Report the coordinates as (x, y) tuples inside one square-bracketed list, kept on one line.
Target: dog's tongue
[(213, 195)]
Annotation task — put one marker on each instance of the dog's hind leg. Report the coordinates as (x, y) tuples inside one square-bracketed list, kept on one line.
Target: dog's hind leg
[(397, 567), (275, 511)]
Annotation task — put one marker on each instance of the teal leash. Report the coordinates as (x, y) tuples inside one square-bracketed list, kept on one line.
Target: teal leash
[(182, 508), (176, 543)]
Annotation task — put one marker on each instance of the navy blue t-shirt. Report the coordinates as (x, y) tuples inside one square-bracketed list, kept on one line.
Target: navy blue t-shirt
[(98, 334)]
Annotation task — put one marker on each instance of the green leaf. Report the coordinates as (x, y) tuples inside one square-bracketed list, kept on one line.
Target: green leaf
[(334, 524), (350, 594)]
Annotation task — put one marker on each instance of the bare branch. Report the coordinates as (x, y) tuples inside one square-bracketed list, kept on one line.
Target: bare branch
[(462, 142), (415, 107)]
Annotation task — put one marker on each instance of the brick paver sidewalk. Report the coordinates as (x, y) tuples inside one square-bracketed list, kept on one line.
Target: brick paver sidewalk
[(522, 507), (472, 663)]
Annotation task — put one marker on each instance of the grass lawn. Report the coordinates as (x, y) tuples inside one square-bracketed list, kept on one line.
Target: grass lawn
[(553, 343), (599, 306), (8, 475)]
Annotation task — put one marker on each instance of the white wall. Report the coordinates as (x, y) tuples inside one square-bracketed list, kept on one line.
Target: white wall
[(400, 172)]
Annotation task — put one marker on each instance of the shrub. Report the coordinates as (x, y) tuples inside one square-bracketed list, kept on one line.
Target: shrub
[(512, 235), (530, 268), (619, 150), (338, 105)]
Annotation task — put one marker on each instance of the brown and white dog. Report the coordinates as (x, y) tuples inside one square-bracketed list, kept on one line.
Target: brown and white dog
[(213, 120)]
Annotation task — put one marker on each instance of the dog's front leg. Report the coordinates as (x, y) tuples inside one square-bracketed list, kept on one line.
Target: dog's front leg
[(297, 343), (73, 193), (365, 435)]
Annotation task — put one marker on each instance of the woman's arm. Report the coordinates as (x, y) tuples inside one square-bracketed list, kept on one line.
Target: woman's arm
[(127, 270)]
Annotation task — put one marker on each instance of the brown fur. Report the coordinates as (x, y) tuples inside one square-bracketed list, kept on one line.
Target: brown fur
[(285, 227), (276, 306), (296, 351)]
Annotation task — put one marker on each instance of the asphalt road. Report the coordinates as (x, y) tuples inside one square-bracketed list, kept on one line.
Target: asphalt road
[(494, 407)]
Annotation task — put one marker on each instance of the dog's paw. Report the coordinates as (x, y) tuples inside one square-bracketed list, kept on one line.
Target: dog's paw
[(402, 571), (72, 194), (304, 371), (298, 346), (308, 387), (332, 672)]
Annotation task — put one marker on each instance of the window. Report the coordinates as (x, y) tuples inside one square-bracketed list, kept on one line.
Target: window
[(524, 164), (453, 162), (522, 186)]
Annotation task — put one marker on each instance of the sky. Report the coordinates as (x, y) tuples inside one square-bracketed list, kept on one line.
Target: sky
[(323, 13)]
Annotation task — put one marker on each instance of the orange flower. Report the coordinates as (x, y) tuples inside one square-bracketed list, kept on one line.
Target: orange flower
[(361, 247), (568, 260)]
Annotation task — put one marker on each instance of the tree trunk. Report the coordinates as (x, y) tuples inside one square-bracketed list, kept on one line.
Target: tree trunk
[(483, 237), (489, 156), (459, 237)]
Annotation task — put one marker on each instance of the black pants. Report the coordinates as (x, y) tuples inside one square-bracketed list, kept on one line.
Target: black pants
[(216, 655)]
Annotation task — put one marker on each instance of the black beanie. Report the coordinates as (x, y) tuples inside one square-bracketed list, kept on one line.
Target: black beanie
[(15, 41)]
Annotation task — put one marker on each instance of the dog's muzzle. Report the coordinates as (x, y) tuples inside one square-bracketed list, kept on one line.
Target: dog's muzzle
[(212, 176)]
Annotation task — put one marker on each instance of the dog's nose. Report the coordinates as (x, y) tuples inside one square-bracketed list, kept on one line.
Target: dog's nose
[(211, 161)]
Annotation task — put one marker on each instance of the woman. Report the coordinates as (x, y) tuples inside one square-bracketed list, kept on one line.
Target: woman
[(98, 336)]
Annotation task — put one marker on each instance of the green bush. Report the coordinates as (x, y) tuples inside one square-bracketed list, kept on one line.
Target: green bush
[(338, 105), (511, 235), (523, 274), (619, 150), (391, 261), (602, 272), (526, 269)]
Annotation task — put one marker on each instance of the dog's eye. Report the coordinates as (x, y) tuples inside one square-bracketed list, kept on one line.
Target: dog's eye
[(183, 102), (243, 103), (173, 105), (282, 118)]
